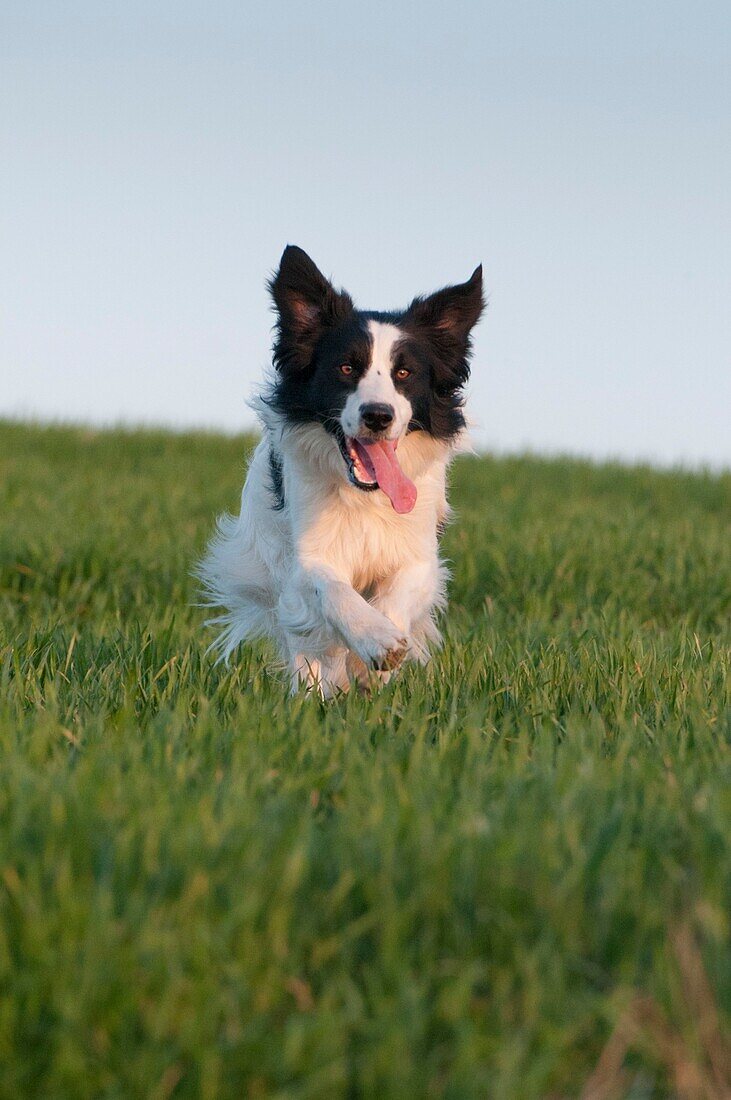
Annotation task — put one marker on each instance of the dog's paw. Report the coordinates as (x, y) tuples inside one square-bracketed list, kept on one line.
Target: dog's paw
[(381, 645), (365, 678), (391, 660)]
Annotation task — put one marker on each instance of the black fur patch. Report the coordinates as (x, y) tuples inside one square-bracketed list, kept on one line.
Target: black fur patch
[(276, 476)]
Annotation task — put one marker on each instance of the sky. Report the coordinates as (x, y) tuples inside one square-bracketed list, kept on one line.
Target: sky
[(155, 158)]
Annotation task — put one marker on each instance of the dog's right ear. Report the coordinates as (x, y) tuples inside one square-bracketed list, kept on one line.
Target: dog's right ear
[(306, 304)]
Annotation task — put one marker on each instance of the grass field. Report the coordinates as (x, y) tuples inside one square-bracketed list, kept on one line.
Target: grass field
[(507, 876)]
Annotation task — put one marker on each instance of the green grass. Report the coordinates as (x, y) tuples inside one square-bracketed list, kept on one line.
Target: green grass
[(501, 870)]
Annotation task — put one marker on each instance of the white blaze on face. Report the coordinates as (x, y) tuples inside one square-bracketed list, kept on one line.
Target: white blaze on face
[(376, 385)]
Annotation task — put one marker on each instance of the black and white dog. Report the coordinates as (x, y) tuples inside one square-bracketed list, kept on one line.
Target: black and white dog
[(335, 552)]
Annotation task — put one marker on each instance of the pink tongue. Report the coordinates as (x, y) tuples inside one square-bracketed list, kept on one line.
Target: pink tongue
[(389, 475)]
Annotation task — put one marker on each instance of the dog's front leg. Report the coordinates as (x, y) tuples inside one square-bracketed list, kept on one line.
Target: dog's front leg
[(408, 598), (321, 598)]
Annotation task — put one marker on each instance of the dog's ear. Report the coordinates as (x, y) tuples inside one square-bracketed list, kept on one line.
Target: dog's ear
[(450, 314), (445, 319), (306, 304)]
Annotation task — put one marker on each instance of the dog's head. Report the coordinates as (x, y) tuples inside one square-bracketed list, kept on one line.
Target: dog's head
[(371, 378)]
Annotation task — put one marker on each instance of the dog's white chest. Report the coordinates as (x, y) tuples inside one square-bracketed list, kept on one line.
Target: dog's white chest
[(363, 539)]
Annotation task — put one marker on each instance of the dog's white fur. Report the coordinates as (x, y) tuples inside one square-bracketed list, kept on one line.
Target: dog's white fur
[(340, 581)]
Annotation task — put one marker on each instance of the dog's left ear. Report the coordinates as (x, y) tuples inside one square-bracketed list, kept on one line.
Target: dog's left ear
[(306, 303), (450, 313)]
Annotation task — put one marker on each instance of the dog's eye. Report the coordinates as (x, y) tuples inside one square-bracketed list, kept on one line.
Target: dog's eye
[(346, 369), (402, 373)]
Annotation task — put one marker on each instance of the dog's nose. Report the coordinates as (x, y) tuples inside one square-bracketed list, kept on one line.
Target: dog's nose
[(376, 415)]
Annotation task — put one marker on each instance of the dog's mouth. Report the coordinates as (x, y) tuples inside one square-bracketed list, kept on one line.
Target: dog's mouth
[(372, 464)]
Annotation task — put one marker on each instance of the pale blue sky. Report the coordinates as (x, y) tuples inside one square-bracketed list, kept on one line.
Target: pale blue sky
[(156, 157)]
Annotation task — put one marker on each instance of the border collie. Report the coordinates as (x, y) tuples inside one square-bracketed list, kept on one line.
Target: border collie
[(335, 552)]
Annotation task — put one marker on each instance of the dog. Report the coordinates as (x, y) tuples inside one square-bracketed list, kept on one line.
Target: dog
[(335, 553)]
